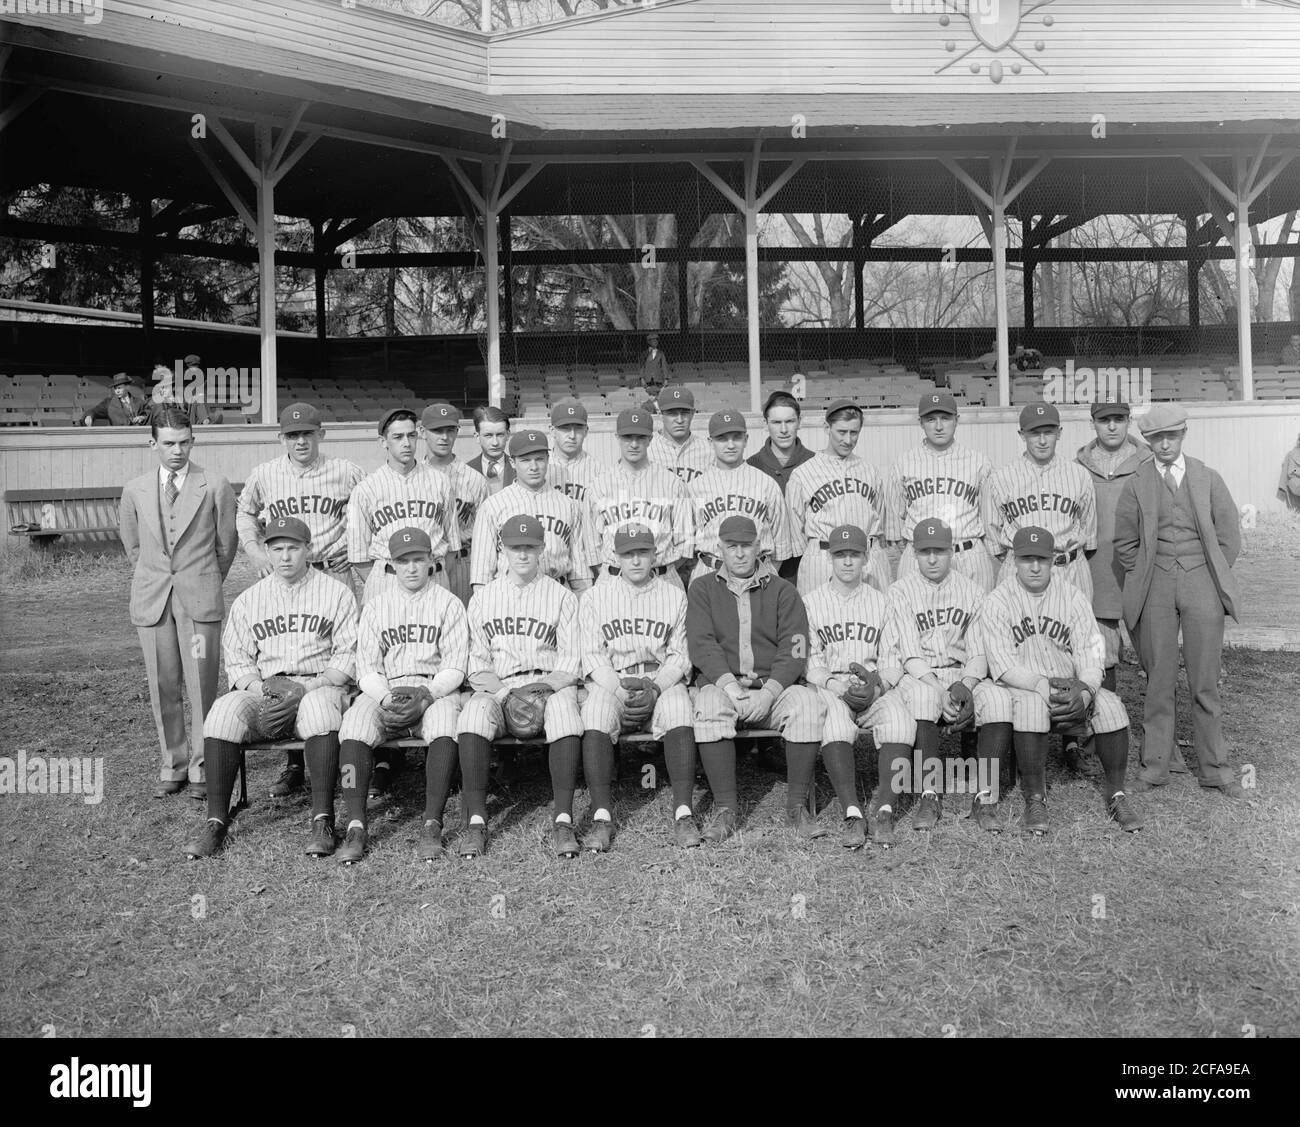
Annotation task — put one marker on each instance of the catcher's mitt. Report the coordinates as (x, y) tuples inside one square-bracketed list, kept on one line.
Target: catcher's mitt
[(279, 708), (960, 710), (864, 689), (643, 694), (405, 707), (1068, 703), (525, 710)]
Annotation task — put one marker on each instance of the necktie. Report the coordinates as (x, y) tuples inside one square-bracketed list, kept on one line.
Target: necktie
[(494, 469), (1170, 484), (169, 490)]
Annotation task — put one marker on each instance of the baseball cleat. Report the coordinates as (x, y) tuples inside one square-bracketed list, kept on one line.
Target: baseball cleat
[(804, 824), (686, 833), (566, 842), (430, 847), (353, 848), (290, 780), (322, 843), (1034, 819), (882, 826), (381, 780), (985, 815), (1122, 811), (927, 812), (209, 843), (473, 842), (854, 833), (720, 826), (598, 837)]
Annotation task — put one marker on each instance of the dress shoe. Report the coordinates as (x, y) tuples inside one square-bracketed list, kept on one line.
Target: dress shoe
[(209, 842), (1141, 786), (1234, 790), (170, 787), (199, 792)]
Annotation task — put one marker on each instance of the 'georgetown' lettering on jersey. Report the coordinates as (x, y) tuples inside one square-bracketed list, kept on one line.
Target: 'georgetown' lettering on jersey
[(827, 491), (317, 494), (386, 500), (625, 627), (721, 492), (1059, 497), (927, 483), (1053, 634), (404, 633), (518, 629)]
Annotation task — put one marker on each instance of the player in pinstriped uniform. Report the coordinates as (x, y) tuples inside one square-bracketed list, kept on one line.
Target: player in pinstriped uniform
[(413, 637), (399, 494), (634, 489), (440, 424), (301, 624), (848, 622), (523, 629), (569, 552), (635, 626), (934, 613), (941, 479), (734, 487), (832, 488), (572, 470), (1041, 490), (1036, 626), (748, 637), (315, 489), (675, 447)]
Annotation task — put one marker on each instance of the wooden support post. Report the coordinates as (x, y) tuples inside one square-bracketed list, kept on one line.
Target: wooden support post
[(492, 284), (1242, 246), (145, 205), (266, 272)]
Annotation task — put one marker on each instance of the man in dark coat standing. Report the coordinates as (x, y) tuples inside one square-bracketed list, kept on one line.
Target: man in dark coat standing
[(1177, 535)]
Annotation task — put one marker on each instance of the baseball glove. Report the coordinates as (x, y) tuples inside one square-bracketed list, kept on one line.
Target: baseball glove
[(525, 710), (279, 707), (643, 694), (864, 689), (1068, 703), (960, 711), (406, 706)]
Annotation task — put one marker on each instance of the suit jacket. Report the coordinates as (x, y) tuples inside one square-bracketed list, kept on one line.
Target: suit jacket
[(111, 412), (1137, 520), (197, 564), (507, 470)]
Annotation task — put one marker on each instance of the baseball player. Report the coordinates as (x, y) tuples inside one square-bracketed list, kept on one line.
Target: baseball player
[(849, 636), (674, 446), (315, 488), (748, 637), (832, 488), (934, 613), (635, 489), (1040, 490), (944, 480), (298, 628), (399, 494), (412, 652), (572, 470), (523, 630), (734, 487), (569, 553), (440, 424), (1042, 645), (633, 629)]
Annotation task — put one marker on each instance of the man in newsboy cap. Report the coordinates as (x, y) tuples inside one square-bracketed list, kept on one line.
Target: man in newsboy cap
[(1177, 535)]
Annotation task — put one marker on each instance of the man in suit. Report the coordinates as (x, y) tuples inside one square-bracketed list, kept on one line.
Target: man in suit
[(177, 524), (1177, 535), (125, 407), (492, 425)]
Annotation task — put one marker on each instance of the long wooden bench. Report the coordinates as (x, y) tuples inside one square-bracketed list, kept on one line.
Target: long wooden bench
[(47, 515)]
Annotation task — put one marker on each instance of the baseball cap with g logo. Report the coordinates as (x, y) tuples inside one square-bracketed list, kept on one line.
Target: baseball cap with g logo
[(725, 422), (848, 538), (439, 415), (937, 403), (299, 416), (523, 531), (1033, 541), (568, 412), (526, 442), (676, 399), (931, 533), (288, 528), (1034, 415), (406, 541)]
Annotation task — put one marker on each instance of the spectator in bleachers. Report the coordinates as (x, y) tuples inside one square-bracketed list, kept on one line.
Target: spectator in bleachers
[(1022, 359), (655, 372), (1288, 486), (782, 452), (1290, 357), (166, 394), (492, 425), (125, 407)]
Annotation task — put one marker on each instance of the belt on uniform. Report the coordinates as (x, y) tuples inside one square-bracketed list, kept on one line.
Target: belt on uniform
[(458, 554), (1066, 557), (660, 570), (960, 545), (531, 673), (641, 667), (825, 545)]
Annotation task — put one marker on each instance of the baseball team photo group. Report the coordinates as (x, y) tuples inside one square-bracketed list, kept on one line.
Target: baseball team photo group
[(678, 587)]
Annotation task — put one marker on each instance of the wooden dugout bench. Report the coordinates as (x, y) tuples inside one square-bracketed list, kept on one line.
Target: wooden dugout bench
[(84, 511)]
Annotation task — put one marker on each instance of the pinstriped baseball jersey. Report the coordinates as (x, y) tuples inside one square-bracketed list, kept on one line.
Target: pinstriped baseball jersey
[(385, 501), (299, 628), (624, 627), (935, 622), (827, 491), (1027, 637), (1058, 497), (652, 496), (847, 628), (317, 495), (720, 492), (521, 628), (576, 477), (404, 633), (568, 552), (469, 489), (947, 484), (688, 461)]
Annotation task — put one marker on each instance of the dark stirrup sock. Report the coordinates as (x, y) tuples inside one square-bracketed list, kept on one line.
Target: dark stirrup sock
[(800, 762), (355, 762), (1112, 751), (564, 757), (893, 761), (475, 761), (439, 766), (598, 769), (679, 755), (1031, 761), (719, 759), (322, 754), (838, 758), (221, 763)]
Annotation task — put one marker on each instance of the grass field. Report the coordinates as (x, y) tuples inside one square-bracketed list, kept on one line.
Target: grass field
[(1189, 928)]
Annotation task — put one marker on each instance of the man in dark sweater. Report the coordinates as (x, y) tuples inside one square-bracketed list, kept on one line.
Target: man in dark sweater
[(747, 632), (782, 453)]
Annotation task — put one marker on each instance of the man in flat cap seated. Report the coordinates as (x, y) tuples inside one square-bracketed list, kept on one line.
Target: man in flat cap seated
[(1177, 535)]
